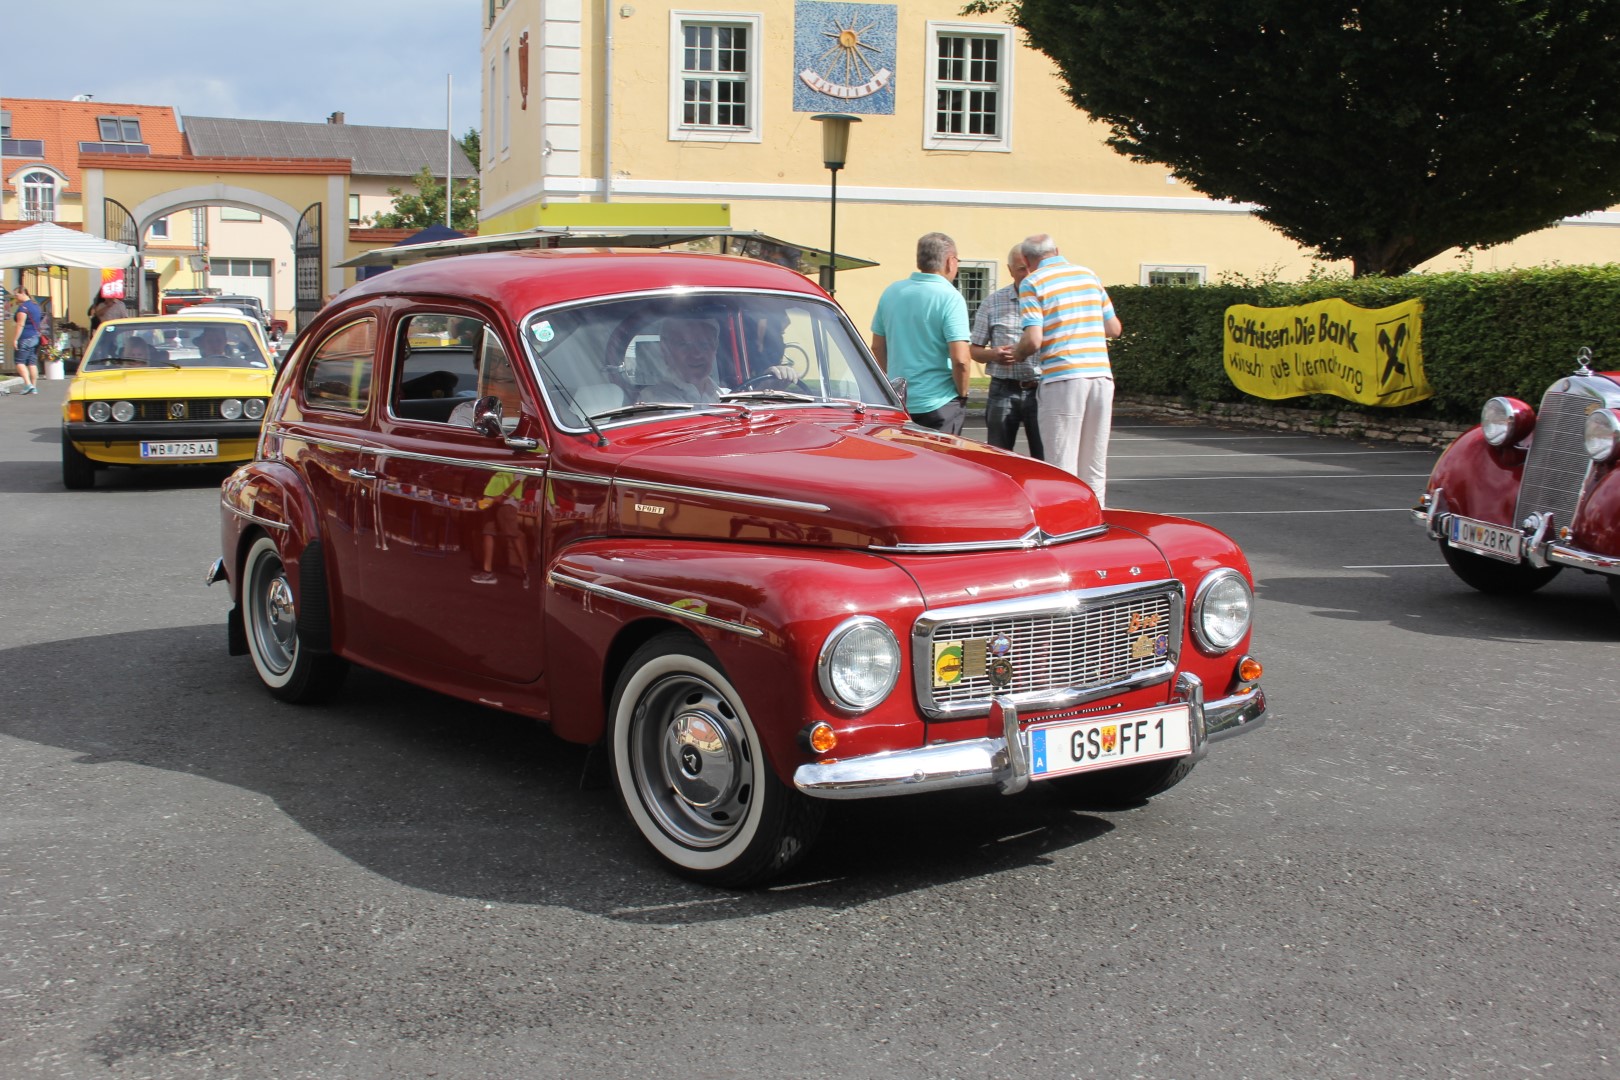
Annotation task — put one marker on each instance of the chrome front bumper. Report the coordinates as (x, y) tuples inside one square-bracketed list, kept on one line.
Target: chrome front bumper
[(1541, 548), (1003, 762)]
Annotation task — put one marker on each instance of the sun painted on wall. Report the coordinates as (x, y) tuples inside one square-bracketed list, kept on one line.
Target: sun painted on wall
[(844, 57)]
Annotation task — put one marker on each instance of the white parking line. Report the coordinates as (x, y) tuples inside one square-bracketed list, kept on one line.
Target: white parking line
[(1235, 513), (1271, 476)]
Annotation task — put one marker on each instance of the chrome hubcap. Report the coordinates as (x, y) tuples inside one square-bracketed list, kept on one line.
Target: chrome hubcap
[(276, 622), (691, 760)]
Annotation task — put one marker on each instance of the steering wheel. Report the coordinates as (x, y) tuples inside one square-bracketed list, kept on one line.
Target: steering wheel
[(794, 357)]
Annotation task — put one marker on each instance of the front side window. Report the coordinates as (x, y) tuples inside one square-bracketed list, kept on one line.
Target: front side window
[(339, 373), (444, 363), (39, 196), (714, 77), (970, 87), (651, 356)]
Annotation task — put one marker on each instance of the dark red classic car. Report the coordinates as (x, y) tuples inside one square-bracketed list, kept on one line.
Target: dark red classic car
[(669, 504), (1517, 499)]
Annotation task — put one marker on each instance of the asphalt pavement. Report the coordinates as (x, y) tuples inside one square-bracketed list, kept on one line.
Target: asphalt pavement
[(1410, 871)]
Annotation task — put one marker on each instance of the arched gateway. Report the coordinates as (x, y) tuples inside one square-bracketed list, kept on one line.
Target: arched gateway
[(124, 195)]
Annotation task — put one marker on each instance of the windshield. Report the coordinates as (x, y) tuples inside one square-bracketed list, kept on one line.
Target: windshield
[(668, 352), (189, 342)]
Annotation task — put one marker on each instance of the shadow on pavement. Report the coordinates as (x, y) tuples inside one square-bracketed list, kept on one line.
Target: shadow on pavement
[(441, 795)]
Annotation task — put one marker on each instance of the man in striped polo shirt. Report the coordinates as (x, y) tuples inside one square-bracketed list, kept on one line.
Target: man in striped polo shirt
[(1067, 320)]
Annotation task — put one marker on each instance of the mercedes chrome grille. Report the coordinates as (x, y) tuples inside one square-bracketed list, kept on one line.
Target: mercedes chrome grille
[(1053, 651), (1556, 469)]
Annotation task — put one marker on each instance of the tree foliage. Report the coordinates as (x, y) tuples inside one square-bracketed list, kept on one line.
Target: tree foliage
[(1381, 131), (472, 145), (425, 206)]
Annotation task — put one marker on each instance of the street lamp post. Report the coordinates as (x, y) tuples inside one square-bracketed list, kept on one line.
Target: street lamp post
[(834, 150)]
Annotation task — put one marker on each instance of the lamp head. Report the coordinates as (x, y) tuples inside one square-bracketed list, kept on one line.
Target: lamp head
[(835, 137)]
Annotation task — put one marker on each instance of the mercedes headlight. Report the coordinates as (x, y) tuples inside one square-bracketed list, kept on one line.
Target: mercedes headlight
[(1505, 421), (1222, 608), (859, 663), (1602, 435)]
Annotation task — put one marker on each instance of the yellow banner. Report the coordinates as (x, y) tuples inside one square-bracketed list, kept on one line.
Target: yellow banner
[(1373, 356)]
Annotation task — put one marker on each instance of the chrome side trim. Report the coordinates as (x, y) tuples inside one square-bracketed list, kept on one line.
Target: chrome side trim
[(1002, 761), (255, 518), (279, 430), (582, 478), (558, 578), (471, 463), (715, 493), (1035, 538)]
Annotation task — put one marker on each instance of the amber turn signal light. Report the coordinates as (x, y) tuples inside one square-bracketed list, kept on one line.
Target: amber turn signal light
[(1249, 669), (75, 413), (820, 737)]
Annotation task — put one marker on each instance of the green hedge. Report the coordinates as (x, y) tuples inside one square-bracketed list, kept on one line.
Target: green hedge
[(1508, 332)]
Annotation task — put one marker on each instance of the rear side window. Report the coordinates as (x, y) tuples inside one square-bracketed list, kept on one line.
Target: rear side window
[(339, 374)]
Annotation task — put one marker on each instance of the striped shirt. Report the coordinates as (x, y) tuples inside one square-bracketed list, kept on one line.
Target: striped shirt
[(1070, 306)]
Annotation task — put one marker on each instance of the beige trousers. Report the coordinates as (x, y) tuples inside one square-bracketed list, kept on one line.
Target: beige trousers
[(1076, 415)]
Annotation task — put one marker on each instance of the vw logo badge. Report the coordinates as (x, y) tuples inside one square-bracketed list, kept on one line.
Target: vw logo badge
[(177, 410)]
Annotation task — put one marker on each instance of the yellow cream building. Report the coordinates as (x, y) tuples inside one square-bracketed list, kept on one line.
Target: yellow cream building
[(962, 129)]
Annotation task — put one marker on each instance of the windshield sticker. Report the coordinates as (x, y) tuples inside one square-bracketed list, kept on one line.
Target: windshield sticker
[(543, 332)]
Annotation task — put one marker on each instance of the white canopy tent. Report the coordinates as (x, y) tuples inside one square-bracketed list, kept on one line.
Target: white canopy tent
[(48, 244)]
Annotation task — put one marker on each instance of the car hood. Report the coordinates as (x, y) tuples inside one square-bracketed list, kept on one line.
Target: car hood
[(174, 382), (861, 484)]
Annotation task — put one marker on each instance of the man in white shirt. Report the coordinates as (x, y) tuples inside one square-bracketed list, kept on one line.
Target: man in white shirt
[(689, 347)]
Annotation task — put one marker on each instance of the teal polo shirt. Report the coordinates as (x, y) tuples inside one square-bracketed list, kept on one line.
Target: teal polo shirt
[(919, 317)]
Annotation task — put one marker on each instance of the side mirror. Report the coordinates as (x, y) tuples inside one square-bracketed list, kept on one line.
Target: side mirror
[(487, 416), (899, 384)]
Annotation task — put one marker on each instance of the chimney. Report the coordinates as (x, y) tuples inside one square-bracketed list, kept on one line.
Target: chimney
[(335, 118)]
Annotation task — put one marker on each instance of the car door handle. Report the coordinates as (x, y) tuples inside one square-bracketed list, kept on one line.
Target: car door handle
[(362, 474)]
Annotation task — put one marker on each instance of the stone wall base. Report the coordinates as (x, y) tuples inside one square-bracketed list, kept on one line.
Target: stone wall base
[(1350, 425)]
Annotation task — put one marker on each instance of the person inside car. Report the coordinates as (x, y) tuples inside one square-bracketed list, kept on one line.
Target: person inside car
[(689, 347)]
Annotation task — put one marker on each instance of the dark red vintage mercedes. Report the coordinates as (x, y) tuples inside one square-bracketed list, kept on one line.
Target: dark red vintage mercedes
[(1525, 494), (669, 504)]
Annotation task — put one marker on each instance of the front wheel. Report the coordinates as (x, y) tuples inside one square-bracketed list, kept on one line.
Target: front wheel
[(692, 774), (1129, 785), (287, 667), (78, 471), (1495, 577)]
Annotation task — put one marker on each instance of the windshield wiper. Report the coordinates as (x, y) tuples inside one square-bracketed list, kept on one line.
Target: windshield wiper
[(767, 395), (643, 406)]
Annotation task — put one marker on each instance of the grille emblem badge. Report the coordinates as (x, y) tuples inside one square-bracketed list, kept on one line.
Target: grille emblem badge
[(177, 410)]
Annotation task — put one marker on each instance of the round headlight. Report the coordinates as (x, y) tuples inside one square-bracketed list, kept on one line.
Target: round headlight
[(254, 407), (230, 409), (859, 663), (1222, 607), (1505, 421), (1602, 435), (99, 411), (123, 412)]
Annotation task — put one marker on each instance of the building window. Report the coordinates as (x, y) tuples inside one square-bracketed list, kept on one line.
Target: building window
[(714, 77), (119, 129), (232, 213), (506, 98), (1165, 274), (969, 87), (159, 229), (495, 129), (975, 281), (354, 209), (38, 196)]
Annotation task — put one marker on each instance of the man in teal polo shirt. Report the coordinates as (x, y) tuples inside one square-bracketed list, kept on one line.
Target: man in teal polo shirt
[(920, 334)]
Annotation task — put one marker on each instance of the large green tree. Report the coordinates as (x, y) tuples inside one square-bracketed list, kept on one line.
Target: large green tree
[(425, 205), (1383, 131)]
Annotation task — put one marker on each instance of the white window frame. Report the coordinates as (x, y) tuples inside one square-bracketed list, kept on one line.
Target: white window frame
[(1002, 141), (490, 145), (354, 208), (158, 230), (752, 80), (1175, 268), (50, 188), (990, 286), (506, 98)]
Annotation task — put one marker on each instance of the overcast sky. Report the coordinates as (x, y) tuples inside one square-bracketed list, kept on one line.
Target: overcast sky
[(377, 61)]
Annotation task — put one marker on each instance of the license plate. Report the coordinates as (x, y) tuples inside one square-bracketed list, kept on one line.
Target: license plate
[(1072, 746), (1486, 539), (195, 448)]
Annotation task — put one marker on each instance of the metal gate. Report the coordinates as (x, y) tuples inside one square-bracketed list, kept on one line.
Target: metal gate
[(119, 225), (307, 267)]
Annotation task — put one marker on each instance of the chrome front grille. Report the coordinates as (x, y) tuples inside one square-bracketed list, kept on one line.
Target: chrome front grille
[(1556, 469), (1061, 649)]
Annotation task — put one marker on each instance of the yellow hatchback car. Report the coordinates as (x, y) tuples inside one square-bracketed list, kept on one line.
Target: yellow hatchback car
[(166, 390)]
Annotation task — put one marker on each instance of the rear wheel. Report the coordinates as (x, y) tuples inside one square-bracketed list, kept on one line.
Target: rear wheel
[(286, 666), (78, 471), (1130, 785), (692, 774), (1494, 576)]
